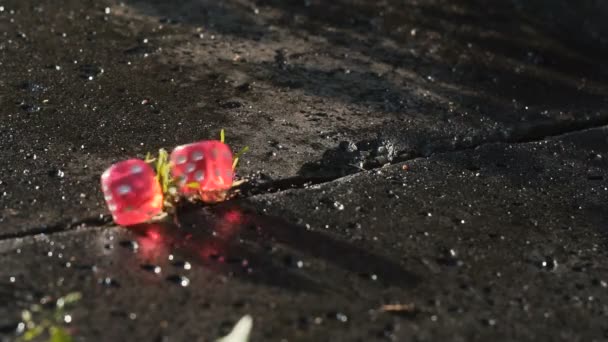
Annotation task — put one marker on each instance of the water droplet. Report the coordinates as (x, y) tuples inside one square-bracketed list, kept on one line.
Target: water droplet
[(151, 268), (339, 316), (292, 262), (181, 264), (490, 322), (549, 264), (179, 279), (130, 244), (107, 281)]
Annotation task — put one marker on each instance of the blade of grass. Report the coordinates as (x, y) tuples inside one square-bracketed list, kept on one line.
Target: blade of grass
[(235, 162), (166, 170), (159, 163), (59, 334), (193, 185), (33, 333), (149, 158), (163, 169), (68, 299)]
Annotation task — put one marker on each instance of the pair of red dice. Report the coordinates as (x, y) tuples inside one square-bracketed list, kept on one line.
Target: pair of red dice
[(134, 195)]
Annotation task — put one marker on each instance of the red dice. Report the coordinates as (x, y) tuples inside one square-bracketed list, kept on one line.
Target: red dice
[(208, 163), (132, 192)]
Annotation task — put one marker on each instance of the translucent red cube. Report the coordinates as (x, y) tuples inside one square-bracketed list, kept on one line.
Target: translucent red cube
[(132, 192), (207, 163)]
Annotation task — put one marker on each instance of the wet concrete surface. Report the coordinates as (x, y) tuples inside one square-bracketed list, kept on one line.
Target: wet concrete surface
[(488, 216)]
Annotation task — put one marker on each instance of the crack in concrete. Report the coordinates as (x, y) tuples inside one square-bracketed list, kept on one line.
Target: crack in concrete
[(534, 134), (520, 135), (550, 130), (59, 227)]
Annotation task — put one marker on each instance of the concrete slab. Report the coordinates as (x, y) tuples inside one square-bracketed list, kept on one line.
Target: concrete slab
[(503, 242)]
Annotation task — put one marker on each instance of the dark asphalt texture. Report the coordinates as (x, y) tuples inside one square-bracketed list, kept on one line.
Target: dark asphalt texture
[(451, 155)]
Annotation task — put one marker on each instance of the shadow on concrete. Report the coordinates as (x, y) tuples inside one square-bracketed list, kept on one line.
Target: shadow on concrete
[(232, 240), (496, 66), (484, 59)]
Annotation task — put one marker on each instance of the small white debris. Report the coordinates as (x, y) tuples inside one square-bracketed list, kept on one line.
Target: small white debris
[(240, 332)]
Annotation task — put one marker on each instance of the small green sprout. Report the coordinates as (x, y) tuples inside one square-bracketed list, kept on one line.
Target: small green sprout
[(163, 170), (162, 167), (239, 154), (39, 321), (168, 183)]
